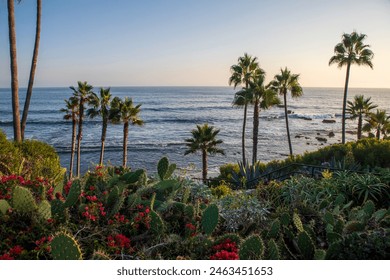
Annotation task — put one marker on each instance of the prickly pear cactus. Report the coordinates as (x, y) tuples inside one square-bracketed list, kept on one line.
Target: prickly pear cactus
[(319, 254), (273, 250), (369, 208), (285, 219), (252, 248), (132, 177), (157, 225), (297, 222), (73, 195), (4, 206), (354, 226), (274, 230), (58, 210), (44, 210), (162, 167), (65, 247), (305, 245), (210, 219), (23, 201)]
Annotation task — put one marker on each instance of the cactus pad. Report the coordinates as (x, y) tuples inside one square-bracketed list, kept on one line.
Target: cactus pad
[(73, 195), (4, 206), (162, 167), (252, 248), (157, 225), (65, 247), (273, 250), (44, 210), (23, 200), (210, 219), (305, 245), (297, 222)]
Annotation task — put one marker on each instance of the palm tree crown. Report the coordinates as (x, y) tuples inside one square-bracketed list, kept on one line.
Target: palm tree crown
[(243, 73), (379, 122), (359, 108), (204, 140), (101, 107), (350, 51), (283, 83), (124, 111)]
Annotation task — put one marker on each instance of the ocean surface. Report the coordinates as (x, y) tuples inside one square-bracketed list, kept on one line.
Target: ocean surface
[(170, 113)]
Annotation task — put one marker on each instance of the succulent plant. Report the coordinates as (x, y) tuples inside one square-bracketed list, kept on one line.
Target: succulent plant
[(23, 200), (272, 250), (210, 219), (44, 210), (73, 195), (4, 206), (252, 248), (65, 247), (305, 245), (164, 169)]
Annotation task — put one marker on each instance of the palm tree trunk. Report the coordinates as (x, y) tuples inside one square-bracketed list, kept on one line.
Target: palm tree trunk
[(74, 123), (104, 132), (80, 135), (345, 103), (33, 68), (204, 163), (243, 134), (287, 126), (378, 133), (255, 131), (360, 124), (125, 135), (14, 71)]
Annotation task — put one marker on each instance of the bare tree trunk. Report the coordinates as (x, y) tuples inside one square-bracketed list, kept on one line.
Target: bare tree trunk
[(255, 131), (345, 104), (80, 135), (360, 124), (33, 68), (14, 71), (125, 135), (243, 134), (104, 132), (287, 126), (204, 166), (74, 123)]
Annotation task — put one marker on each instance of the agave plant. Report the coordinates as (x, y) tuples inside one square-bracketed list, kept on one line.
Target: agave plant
[(247, 177)]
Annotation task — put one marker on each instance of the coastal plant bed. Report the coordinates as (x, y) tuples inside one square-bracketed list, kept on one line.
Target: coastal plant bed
[(113, 213)]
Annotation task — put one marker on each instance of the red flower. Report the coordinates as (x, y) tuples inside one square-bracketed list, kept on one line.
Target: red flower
[(16, 250), (6, 257)]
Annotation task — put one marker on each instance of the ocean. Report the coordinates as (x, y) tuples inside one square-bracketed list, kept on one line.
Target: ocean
[(170, 113)]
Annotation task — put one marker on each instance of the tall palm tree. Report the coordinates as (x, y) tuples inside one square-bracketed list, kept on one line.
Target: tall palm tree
[(350, 51), (101, 107), (243, 73), (71, 113), (379, 122), (124, 111), (33, 67), (83, 94), (204, 140), (14, 71), (359, 108), (262, 98), (283, 83)]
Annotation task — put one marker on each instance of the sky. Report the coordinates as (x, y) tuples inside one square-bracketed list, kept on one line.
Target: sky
[(193, 42)]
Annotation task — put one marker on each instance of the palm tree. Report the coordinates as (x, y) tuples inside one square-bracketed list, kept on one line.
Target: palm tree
[(358, 108), (380, 122), (14, 71), (243, 73), (204, 140), (283, 83), (71, 113), (100, 107), (261, 98), (83, 94), (33, 68), (124, 111), (350, 51)]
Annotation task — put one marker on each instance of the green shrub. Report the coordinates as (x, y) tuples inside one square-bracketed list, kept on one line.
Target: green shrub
[(30, 159)]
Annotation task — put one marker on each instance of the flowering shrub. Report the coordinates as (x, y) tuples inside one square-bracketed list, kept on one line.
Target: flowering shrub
[(227, 250), (118, 243)]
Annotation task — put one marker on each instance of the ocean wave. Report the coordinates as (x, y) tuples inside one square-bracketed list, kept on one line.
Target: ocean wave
[(311, 116)]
